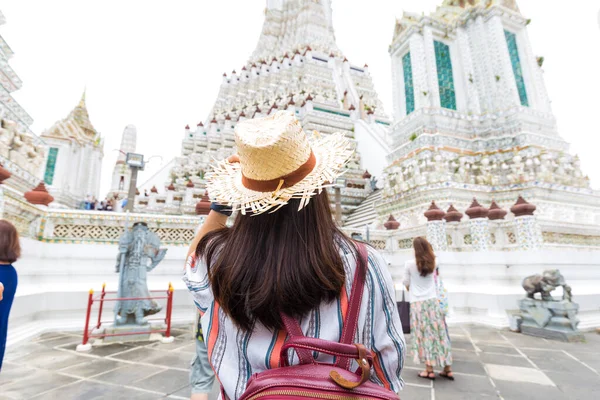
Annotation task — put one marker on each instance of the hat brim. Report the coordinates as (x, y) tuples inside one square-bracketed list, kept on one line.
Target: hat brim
[(225, 186)]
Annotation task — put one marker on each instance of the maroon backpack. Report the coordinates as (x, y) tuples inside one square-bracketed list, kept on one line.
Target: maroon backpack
[(313, 380)]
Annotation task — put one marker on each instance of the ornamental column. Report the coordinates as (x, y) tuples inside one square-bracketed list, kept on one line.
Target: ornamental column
[(452, 218), (436, 228), (496, 217), (391, 225), (188, 199), (529, 235), (152, 204), (479, 226), (203, 206), (170, 195)]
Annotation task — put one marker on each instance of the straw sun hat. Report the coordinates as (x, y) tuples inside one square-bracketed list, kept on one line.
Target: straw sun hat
[(277, 163)]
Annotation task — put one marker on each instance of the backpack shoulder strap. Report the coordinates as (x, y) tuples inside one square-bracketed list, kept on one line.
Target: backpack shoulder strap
[(294, 330), (358, 285)]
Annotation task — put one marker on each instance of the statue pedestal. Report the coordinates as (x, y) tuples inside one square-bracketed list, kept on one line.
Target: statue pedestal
[(124, 336), (550, 319)]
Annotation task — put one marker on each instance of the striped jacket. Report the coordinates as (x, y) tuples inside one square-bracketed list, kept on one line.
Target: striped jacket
[(236, 355)]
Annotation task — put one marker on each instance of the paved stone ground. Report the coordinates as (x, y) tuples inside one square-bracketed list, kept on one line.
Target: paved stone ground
[(489, 364)]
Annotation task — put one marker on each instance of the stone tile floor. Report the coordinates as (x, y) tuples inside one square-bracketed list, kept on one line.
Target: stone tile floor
[(489, 364)]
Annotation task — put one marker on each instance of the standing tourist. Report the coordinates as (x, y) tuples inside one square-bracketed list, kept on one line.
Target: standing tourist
[(430, 341), (10, 251), (285, 257), (202, 376)]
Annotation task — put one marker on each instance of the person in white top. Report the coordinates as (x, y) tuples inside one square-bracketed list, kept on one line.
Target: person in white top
[(430, 341)]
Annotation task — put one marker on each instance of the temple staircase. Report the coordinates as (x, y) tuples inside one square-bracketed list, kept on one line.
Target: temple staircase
[(364, 214)]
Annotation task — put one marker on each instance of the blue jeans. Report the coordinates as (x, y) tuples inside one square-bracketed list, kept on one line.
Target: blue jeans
[(202, 376), (8, 277)]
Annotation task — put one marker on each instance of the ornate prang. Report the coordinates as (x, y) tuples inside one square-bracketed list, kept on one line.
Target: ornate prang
[(522, 208), (39, 195), (434, 213), (203, 206), (476, 210), (453, 215), (391, 223), (496, 212)]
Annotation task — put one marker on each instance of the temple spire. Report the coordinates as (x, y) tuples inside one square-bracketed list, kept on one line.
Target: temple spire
[(82, 101), (291, 25), (80, 116)]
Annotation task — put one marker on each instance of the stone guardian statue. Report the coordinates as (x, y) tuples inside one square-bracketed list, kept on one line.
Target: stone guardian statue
[(547, 316), (139, 253)]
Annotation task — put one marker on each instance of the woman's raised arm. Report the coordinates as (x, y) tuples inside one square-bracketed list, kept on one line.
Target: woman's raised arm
[(216, 219)]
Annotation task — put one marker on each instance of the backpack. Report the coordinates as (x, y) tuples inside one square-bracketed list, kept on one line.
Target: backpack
[(313, 380)]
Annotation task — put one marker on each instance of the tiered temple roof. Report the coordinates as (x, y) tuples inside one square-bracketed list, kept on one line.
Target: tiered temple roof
[(10, 82), (298, 67), (76, 126)]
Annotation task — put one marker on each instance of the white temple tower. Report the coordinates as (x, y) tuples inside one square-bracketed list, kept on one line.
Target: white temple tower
[(121, 173), (10, 82), (74, 159), (21, 151), (473, 119), (298, 67)]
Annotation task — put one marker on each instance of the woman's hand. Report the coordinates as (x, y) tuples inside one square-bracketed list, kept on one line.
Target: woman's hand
[(1, 291)]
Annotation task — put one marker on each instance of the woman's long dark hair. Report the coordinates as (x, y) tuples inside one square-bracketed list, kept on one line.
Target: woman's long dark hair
[(424, 256), (288, 260)]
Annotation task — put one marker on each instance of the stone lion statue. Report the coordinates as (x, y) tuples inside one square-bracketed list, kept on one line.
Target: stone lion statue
[(546, 283)]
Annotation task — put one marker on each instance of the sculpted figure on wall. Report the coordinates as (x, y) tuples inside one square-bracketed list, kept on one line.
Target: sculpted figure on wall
[(8, 130)]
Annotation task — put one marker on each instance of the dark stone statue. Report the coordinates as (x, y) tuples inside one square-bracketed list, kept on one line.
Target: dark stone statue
[(546, 283), (547, 317), (139, 253)]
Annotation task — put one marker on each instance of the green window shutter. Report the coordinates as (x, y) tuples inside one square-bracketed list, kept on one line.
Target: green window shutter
[(513, 51), (409, 89), (444, 74), (50, 165)]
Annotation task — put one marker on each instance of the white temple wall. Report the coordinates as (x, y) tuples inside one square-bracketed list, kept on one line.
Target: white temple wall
[(433, 91), (54, 280), (483, 286), (371, 147), (466, 61)]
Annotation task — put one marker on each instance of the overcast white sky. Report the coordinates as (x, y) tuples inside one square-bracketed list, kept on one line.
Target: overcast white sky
[(158, 64)]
